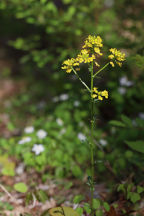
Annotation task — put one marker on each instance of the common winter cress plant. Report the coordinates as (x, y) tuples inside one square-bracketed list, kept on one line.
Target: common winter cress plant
[(90, 53)]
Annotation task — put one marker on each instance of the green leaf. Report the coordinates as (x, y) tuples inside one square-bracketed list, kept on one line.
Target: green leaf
[(126, 120), (79, 211), (117, 123), (106, 206), (99, 213), (87, 208), (21, 187), (96, 203), (136, 145), (135, 197), (78, 198), (121, 187), (140, 189), (66, 211)]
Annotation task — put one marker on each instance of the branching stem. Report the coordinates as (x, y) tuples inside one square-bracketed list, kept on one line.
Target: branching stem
[(81, 80), (100, 70)]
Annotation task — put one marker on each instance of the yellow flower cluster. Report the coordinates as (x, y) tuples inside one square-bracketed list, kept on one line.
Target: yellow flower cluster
[(88, 54), (117, 56), (99, 94), (68, 64), (93, 41)]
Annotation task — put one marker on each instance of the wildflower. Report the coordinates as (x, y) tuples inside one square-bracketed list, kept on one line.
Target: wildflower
[(81, 137), (59, 121), (93, 41), (76, 103), (38, 148), (90, 50), (63, 97), (116, 56), (68, 64), (97, 50), (99, 94), (141, 115), (41, 134), (20, 169), (55, 99), (125, 82), (63, 131), (103, 142), (84, 57), (122, 90), (24, 140), (29, 129)]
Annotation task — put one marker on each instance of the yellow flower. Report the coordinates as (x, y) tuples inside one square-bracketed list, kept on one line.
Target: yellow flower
[(116, 55), (93, 41), (105, 94), (100, 98), (68, 65), (97, 64), (112, 64), (95, 90), (99, 94), (85, 57), (94, 96), (97, 50)]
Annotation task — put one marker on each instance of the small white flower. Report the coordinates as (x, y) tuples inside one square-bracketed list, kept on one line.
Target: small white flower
[(20, 169), (41, 134), (29, 129), (24, 140), (55, 99), (76, 103), (103, 142), (122, 90), (141, 115), (63, 97), (63, 131), (38, 148), (41, 105), (59, 121), (125, 82), (81, 137)]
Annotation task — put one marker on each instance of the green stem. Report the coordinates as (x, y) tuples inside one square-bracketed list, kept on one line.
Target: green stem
[(81, 80), (92, 143), (100, 70)]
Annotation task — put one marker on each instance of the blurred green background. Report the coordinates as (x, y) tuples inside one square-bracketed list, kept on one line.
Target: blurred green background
[(36, 36)]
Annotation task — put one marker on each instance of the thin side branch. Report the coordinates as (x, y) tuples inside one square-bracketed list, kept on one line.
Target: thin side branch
[(100, 70), (81, 80)]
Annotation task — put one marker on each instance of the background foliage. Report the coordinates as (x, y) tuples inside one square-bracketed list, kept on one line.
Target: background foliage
[(38, 36)]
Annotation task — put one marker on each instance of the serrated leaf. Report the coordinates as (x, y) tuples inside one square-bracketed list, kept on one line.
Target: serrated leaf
[(21, 187), (136, 145), (117, 123)]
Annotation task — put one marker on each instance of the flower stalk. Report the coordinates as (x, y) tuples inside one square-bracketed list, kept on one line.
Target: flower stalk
[(92, 141), (89, 54)]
